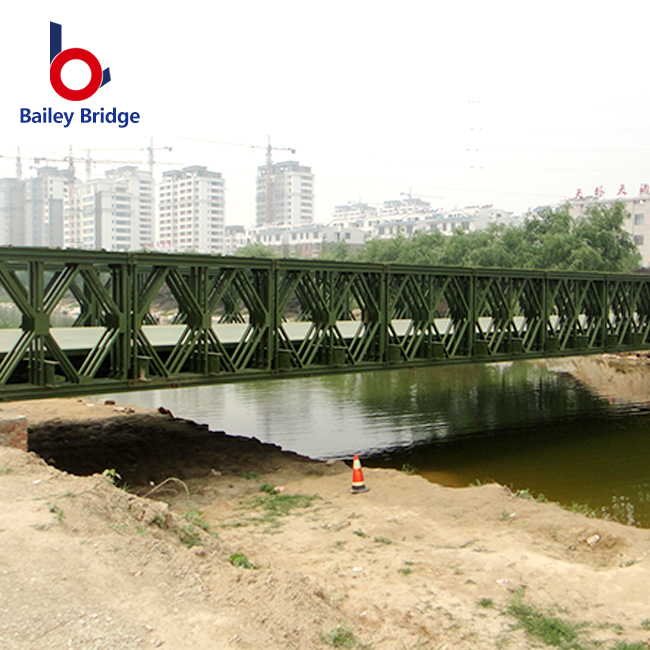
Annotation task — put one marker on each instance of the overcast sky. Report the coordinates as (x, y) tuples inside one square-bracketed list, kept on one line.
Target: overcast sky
[(467, 102)]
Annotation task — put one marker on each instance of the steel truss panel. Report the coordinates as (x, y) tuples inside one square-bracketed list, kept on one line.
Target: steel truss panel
[(240, 319)]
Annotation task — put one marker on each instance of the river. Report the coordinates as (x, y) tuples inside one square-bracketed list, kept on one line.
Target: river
[(515, 423)]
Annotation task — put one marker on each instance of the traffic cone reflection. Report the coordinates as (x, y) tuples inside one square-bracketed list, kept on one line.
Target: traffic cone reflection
[(358, 484)]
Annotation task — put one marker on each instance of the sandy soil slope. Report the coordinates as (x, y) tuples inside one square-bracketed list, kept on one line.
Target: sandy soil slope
[(410, 564)]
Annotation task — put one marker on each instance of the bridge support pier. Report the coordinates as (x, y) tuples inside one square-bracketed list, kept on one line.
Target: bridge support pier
[(13, 430)]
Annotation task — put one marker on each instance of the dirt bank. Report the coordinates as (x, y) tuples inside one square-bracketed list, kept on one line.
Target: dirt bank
[(410, 564), (619, 378)]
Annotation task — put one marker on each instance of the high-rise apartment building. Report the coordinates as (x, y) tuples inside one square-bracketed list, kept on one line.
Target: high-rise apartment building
[(284, 194), (46, 198), (114, 213), (12, 211), (191, 209)]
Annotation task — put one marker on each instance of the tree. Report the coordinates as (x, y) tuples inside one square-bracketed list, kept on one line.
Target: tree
[(550, 239), (338, 251), (255, 250)]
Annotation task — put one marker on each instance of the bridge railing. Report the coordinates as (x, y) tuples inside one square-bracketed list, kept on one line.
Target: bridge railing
[(144, 320)]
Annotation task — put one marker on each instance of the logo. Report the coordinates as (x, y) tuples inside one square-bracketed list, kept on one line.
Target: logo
[(59, 57)]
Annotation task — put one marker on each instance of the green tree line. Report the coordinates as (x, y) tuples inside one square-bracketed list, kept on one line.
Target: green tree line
[(550, 239)]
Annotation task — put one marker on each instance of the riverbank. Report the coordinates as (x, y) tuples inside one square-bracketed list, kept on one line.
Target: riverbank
[(619, 378), (195, 554)]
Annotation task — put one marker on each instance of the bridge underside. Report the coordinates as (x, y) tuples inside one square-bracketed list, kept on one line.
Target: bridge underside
[(138, 321)]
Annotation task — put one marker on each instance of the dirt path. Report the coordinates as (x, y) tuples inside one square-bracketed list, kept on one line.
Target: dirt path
[(410, 564)]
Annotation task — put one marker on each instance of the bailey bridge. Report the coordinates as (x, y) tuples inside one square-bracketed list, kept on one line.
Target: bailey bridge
[(144, 320)]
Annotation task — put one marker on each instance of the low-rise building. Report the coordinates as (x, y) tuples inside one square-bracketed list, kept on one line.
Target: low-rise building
[(638, 223), (235, 238), (306, 240)]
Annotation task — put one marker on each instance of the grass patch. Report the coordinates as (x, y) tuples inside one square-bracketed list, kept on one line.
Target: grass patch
[(189, 536), (622, 645), (528, 494), (56, 511), (240, 561), (645, 624), (112, 476), (405, 570), (547, 629), (250, 475), (485, 602), (359, 533), (339, 637), (6, 471), (407, 468), (383, 540), (581, 509), (194, 516), (279, 505), (479, 482)]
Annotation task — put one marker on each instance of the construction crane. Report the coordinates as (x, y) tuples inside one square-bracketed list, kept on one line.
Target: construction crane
[(269, 148), (151, 156), (90, 161), (420, 196), (269, 166)]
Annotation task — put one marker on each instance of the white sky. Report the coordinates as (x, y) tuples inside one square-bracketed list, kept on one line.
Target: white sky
[(512, 103)]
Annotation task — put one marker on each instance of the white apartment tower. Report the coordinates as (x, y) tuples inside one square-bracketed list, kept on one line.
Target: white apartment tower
[(114, 213), (191, 208), (46, 198), (12, 212), (284, 194)]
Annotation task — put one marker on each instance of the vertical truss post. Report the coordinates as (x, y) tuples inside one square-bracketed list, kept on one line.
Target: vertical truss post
[(604, 316), (272, 346), (545, 315), (472, 315), (136, 279), (39, 324), (383, 316), (121, 292)]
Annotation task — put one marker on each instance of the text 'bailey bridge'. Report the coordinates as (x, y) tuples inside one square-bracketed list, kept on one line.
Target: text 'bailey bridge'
[(150, 320)]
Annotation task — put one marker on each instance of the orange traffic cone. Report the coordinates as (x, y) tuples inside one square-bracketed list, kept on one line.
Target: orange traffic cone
[(358, 484)]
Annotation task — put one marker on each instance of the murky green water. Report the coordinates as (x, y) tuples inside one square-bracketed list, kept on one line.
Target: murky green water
[(517, 424)]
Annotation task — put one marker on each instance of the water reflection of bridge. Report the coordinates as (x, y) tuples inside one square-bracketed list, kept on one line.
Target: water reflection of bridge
[(236, 318)]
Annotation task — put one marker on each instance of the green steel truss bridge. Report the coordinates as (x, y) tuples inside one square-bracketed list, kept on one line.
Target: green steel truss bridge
[(139, 321)]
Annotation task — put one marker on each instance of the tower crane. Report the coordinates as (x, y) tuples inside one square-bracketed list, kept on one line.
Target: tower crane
[(269, 148), (90, 161), (420, 196), (151, 156), (269, 165)]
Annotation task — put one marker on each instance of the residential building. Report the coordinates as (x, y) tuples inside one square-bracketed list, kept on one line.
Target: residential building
[(355, 212), (46, 199), (113, 213), (305, 240), (12, 212), (404, 207), (191, 210), (235, 237), (284, 194)]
